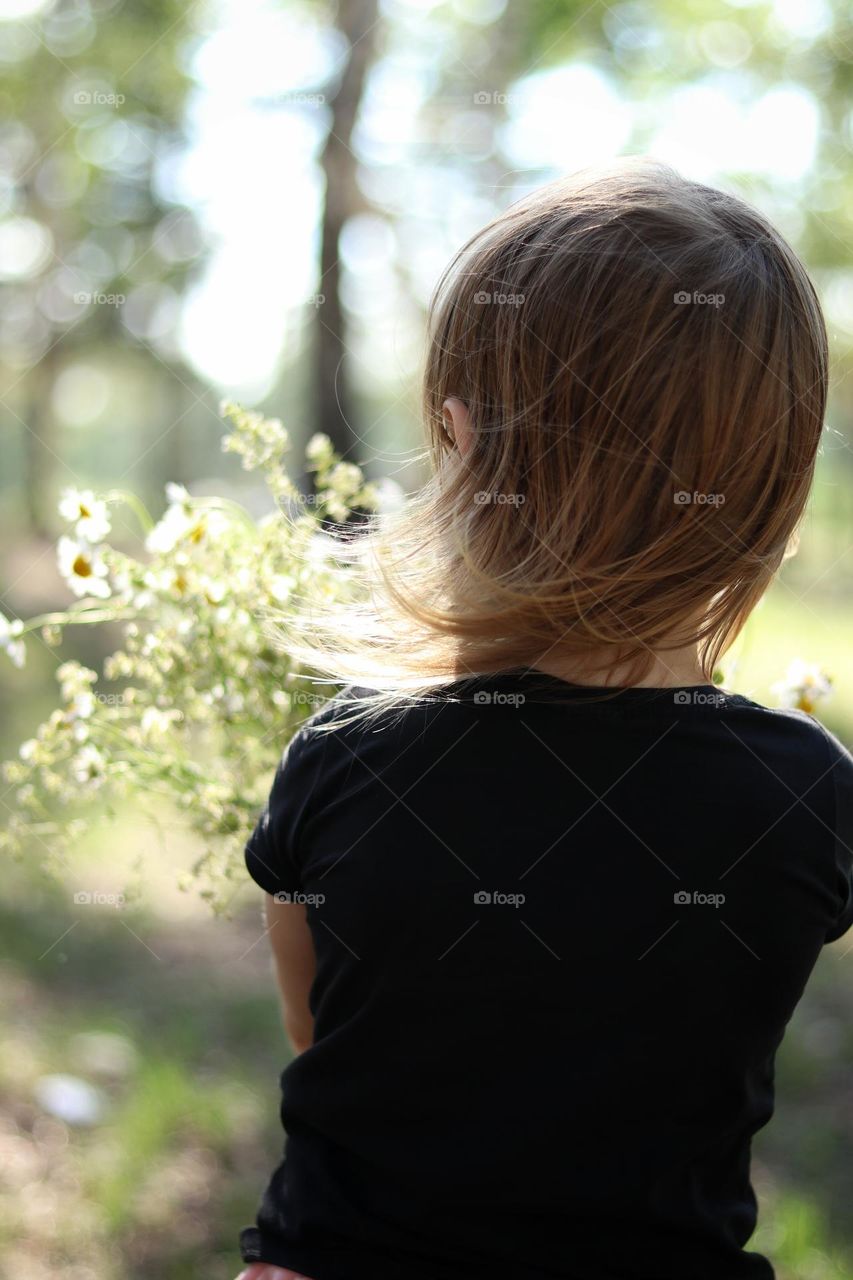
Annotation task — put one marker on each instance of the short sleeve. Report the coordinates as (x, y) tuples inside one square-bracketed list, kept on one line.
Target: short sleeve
[(842, 775), (272, 851)]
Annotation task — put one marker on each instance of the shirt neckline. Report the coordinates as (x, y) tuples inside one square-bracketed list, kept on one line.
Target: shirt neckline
[(531, 682)]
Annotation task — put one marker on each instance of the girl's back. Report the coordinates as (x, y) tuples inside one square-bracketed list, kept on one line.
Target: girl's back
[(559, 934)]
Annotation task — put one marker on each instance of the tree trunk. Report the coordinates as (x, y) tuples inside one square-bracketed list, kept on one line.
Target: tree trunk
[(41, 446), (333, 396)]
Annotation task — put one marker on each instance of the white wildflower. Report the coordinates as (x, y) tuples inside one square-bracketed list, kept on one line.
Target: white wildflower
[(78, 712), (804, 686), (173, 528), (155, 722), (214, 592), (258, 440), (87, 513), (319, 450), (82, 706), (83, 568), (183, 523), (10, 641), (89, 766), (345, 479), (74, 680)]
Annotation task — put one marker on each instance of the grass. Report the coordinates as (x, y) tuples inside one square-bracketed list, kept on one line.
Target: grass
[(162, 1183)]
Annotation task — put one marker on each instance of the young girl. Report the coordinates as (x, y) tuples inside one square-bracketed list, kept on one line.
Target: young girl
[(542, 897)]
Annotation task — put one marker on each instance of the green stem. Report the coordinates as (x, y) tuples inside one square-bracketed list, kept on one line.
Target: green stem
[(225, 504), (73, 618), (136, 505)]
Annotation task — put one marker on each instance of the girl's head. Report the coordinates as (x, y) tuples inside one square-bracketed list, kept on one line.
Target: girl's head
[(636, 368)]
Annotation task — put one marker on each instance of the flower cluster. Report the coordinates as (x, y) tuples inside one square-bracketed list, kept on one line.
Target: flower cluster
[(804, 686), (196, 705)]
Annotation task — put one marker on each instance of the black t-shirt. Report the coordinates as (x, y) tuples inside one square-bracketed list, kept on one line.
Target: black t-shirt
[(558, 939)]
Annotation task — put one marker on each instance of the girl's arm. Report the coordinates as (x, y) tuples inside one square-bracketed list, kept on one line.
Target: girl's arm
[(295, 966)]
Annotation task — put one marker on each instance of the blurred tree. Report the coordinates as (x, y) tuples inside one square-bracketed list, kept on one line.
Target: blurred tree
[(335, 412), (93, 248)]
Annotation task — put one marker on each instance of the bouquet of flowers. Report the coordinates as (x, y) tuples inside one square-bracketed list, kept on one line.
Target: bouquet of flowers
[(199, 701)]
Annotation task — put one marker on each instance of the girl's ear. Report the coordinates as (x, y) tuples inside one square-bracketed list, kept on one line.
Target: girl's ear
[(457, 424)]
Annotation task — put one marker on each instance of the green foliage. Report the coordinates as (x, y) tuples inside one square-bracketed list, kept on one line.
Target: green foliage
[(794, 1233), (98, 91)]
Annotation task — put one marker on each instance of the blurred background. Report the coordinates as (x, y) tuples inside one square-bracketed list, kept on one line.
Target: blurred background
[(254, 198)]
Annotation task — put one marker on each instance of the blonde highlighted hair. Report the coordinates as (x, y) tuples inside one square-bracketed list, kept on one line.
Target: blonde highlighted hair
[(644, 361)]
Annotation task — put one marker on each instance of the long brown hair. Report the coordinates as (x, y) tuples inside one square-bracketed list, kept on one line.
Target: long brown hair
[(644, 361)]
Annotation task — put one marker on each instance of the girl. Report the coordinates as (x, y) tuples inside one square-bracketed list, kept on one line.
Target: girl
[(542, 897)]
